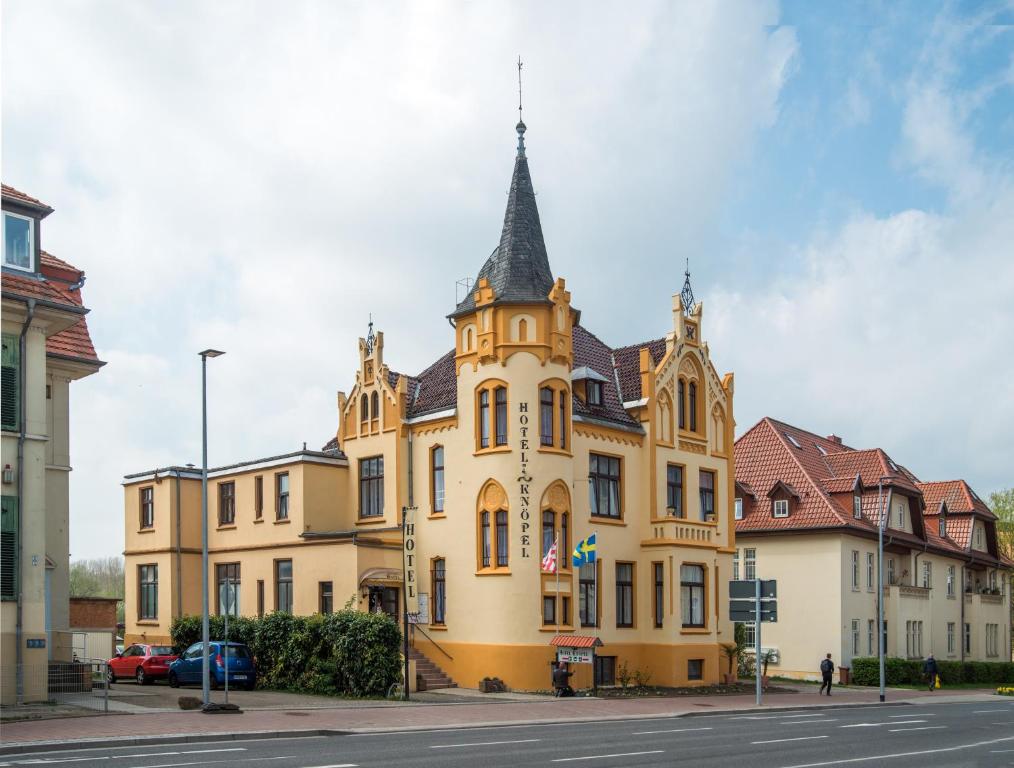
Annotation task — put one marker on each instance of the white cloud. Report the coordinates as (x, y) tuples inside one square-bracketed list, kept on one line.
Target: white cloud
[(260, 176)]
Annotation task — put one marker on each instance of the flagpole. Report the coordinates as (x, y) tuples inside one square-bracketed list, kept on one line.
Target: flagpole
[(559, 600)]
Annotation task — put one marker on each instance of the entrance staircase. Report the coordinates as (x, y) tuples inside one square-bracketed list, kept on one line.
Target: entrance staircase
[(428, 675)]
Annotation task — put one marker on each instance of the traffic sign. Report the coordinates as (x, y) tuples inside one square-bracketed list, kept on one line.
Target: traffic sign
[(745, 590)]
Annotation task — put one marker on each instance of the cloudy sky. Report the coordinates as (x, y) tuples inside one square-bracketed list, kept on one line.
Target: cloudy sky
[(260, 176)]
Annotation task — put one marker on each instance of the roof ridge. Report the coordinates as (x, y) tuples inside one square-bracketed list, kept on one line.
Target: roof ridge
[(638, 345), (780, 437)]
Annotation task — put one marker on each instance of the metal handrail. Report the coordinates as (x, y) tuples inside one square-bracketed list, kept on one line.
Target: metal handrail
[(426, 635)]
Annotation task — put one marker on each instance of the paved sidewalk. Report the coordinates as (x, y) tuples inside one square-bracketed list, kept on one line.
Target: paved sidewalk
[(365, 719)]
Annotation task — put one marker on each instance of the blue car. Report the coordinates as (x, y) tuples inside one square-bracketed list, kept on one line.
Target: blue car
[(242, 670)]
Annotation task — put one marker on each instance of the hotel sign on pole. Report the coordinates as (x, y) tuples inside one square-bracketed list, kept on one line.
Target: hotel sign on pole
[(525, 482), (410, 562)]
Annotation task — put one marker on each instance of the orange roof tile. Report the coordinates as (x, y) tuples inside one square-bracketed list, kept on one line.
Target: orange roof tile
[(15, 194)]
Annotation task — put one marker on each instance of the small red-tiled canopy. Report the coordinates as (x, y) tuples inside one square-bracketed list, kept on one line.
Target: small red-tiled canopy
[(575, 641)]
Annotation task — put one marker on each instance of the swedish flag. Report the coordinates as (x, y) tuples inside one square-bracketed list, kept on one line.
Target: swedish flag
[(584, 552)]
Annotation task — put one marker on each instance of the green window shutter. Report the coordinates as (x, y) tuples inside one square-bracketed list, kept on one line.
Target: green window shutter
[(9, 381), (9, 549)]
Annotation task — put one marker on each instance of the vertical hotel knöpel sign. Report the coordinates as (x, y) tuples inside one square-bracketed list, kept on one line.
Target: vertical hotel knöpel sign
[(408, 557), (524, 482)]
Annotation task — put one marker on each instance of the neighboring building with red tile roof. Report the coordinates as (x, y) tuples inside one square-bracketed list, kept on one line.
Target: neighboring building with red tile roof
[(945, 583), (46, 346)]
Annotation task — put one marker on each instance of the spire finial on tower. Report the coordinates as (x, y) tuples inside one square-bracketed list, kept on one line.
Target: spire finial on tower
[(371, 337), (687, 295), (521, 123)]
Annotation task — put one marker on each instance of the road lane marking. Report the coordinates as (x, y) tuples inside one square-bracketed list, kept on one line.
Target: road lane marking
[(808, 722), (809, 714), (920, 728), (914, 714), (336, 765), (878, 725), (903, 754), (755, 717), (179, 752), (601, 757), (674, 730), (797, 738), (482, 743), (988, 711)]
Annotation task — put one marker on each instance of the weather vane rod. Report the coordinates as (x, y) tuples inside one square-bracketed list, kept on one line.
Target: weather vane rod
[(519, 89)]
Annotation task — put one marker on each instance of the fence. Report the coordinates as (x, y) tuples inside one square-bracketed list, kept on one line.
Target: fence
[(81, 683)]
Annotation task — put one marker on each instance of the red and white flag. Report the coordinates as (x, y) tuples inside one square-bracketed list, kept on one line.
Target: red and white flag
[(549, 561)]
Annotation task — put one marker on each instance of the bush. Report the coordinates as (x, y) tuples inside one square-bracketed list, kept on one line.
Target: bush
[(348, 652), (866, 671)]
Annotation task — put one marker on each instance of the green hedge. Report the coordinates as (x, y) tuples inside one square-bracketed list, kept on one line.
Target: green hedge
[(866, 671), (348, 653)]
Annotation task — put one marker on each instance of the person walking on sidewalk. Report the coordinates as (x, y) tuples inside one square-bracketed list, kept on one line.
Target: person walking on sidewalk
[(561, 681), (826, 674), (930, 670)]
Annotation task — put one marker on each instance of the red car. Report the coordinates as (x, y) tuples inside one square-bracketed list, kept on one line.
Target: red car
[(144, 663)]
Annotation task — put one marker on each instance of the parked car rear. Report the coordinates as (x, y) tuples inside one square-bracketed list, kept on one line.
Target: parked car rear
[(234, 658), (142, 662)]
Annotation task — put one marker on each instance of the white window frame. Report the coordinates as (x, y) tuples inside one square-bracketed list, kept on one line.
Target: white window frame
[(870, 632), (950, 637), (735, 565), (781, 508), (950, 581), (869, 571), (739, 509), (927, 575), (901, 515), (750, 564), (890, 571), (855, 570), (855, 637), (31, 242), (857, 506)]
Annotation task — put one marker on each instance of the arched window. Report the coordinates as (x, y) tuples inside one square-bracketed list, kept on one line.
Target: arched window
[(501, 415), (375, 405), (486, 542), (546, 416), (364, 408), (493, 527), (548, 530), (501, 539), (693, 406), (681, 406), (565, 536), (522, 330), (484, 419), (555, 522), (491, 415)]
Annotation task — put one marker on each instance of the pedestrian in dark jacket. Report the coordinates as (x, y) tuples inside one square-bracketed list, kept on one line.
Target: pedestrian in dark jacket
[(930, 670), (826, 675), (561, 680)]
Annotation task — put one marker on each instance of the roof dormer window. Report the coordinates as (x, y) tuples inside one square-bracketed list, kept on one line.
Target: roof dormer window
[(781, 508), (594, 392), (857, 506), (19, 250), (943, 526)]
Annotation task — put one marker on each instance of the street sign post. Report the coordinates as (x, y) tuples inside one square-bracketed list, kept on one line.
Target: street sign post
[(754, 600)]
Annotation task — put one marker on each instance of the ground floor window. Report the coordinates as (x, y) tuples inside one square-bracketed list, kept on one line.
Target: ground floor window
[(695, 669), (586, 595), (283, 586), (950, 637), (871, 633), (439, 579), (605, 670), (750, 634), (326, 597), (968, 638), (384, 600), (148, 593), (855, 637), (227, 576), (260, 597)]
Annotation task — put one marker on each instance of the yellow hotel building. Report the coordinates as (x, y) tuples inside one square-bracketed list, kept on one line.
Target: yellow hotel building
[(528, 430)]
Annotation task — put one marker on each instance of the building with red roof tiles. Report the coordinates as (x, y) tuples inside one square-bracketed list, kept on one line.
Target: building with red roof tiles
[(528, 429), (808, 509), (46, 346)]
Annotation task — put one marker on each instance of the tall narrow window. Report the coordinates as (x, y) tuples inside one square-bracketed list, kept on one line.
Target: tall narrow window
[(283, 586), (501, 539), (674, 490), (147, 507), (282, 496), (501, 415), (707, 493), (855, 569), (371, 487), (855, 637), (950, 637), (227, 579), (375, 405), (693, 406), (692, 595), (738, 513), (857, 506), (439, 591), (364, 408), (147, 577), (564, 551), (735, 565), (890, 570), (226, 503), (546, 416), (624, 594), (484, 418), (437, 474), (548, 609), (260, 597), (486, 544), (950, 581), (11, 381), (681, 404), (870, 634), (968, 639), (749, 563), (563, 419), (258, 497), (869, 570), (548, 530), (594, 390), (927, 575), (586, 597), (604, 485), (659, 573), (326, 599), (9, 556)]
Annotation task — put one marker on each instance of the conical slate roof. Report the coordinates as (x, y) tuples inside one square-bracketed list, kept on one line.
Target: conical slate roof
[(518, 270)]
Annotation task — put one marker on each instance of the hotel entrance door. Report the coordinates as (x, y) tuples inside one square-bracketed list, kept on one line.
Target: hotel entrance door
[(384, 600)]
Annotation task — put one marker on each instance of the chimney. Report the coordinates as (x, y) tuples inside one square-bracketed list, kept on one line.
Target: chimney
[(834, 439)]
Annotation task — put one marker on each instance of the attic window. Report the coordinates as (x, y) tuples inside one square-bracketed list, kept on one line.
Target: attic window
[(857, 506), (18, 249), (822, 449), (594, 392), (792, 440), (739, 509), (781, 508), (943, 526)]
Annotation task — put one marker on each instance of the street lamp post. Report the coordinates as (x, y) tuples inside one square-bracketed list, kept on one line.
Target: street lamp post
[(205, 629), (880, 584)]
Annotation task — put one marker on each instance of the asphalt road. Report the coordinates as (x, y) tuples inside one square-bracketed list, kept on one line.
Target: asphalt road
[(946, 734)]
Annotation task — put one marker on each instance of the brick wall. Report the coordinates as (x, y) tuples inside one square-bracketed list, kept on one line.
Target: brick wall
[(93, 613)]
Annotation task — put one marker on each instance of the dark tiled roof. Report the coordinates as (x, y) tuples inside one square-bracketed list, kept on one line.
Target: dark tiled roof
[(591, 351), (628, 366), (435, 389), (21, 197), (518, 270)]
